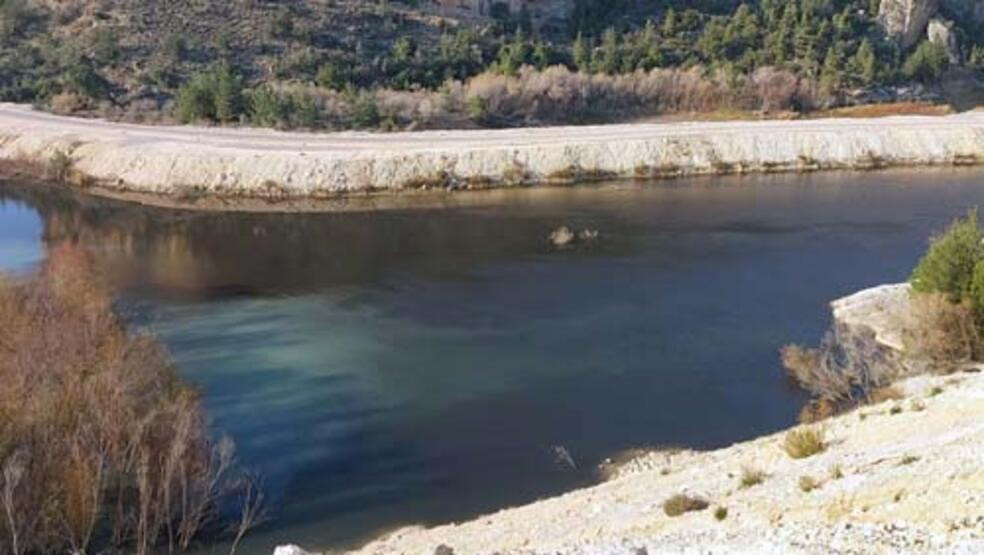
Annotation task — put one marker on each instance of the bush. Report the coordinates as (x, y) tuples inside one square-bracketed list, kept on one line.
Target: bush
[(948, 266), (680, 504), (82, 79), (848, 364), (365, 111), (804, 442), (938, 334), (215, 95), (751, 477), (60, 166), (927, 63), (808, 484), (101, 444), (268, 107)]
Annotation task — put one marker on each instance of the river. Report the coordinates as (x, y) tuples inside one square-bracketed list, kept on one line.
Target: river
[(423, 366)]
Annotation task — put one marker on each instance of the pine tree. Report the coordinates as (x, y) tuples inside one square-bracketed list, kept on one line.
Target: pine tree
[(865, 63), (582, 54), (832, 73), (610, 59)]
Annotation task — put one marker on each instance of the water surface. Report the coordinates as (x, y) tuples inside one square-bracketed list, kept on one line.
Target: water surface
[(423, 366)]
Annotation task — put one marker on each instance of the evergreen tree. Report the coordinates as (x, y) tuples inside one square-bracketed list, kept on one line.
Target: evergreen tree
[(865, 63), (610, 58), (581, 54)]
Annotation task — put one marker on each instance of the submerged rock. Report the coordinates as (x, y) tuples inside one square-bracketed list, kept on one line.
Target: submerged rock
[(586, 235), (562, 237)]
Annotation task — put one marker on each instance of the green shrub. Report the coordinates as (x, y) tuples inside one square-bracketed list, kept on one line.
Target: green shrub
[(268, 107), (976, 293), (176, 47), (332, 76), (365, 111), (196, 100), (948, 266), (216, 94), (927, 63), (82, 79)]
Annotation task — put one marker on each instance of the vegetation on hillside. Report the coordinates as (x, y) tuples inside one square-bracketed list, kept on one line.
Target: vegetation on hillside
[(102, 446), (397, 64)]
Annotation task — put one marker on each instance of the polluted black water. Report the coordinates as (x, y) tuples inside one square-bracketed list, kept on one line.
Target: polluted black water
[(423, 366)]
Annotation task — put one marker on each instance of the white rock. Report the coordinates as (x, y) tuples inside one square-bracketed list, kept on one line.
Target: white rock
[(289, 550)]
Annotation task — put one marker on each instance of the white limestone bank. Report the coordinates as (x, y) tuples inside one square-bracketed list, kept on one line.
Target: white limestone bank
[(263, 163)]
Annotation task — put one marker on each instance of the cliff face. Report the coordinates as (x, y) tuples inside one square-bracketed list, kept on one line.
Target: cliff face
[(258, 163), (906, 20)]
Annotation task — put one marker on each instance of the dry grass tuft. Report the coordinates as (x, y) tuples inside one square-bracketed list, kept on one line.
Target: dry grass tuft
[(804, 442), (887, 109), (680, 504), (882, 394), (818, 410), (808, 484), (751, 477)]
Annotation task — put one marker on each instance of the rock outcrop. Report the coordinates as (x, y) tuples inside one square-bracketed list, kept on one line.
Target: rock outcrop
[(940, 32), (906, 20), (882, 310)]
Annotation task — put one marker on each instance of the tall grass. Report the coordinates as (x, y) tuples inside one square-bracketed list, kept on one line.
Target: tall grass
[(102, 445)]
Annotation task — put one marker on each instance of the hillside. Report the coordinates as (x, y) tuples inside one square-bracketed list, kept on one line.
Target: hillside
[(466, 63)]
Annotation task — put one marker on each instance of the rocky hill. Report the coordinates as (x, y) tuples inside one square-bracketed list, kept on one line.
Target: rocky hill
[(323, 63)]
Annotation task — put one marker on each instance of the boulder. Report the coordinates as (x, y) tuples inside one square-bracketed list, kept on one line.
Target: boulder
[(562, 236), (940, 32), (906, 20)]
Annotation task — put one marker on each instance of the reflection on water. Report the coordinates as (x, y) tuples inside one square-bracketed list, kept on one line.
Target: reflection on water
[(20, 232), (421, 366)]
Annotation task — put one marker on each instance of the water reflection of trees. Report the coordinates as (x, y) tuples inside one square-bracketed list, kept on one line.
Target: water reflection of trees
[(195, 254)]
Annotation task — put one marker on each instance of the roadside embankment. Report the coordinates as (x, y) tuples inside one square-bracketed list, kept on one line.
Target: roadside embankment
[(902, 476), (235, 162)]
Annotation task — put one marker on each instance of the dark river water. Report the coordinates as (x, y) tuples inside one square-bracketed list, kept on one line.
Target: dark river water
[(423, 366)]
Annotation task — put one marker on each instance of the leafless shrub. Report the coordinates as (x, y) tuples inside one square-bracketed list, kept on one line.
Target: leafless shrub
[(554, 95), (848, 364), (97, 431), (939, 335)]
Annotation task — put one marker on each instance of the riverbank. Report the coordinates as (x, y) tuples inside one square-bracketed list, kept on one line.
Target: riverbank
[(900, 476), (182, 165)]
